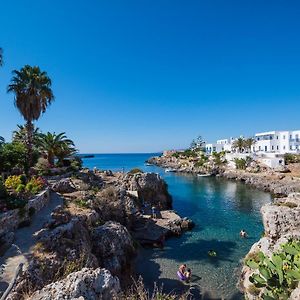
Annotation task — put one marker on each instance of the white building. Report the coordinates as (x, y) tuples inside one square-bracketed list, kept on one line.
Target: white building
[(279, 142), (219, 146)]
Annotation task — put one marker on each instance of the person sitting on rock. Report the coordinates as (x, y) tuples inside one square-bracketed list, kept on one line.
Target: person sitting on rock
[(243, 233), (182, 269)]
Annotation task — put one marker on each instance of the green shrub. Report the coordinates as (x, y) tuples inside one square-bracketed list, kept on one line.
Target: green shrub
[(291, 158), (81, 203), (279, 275), (20, 188), (135, 171), (240, 163)]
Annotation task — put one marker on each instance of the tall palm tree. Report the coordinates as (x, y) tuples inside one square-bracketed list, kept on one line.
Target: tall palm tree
[(33, 94), (56, 146), (249, 143), (239, 144)]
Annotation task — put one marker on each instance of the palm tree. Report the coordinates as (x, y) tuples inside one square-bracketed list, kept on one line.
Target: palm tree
[(33, 94), (249, 143), (56, 146), (21, 135), (239, 144)]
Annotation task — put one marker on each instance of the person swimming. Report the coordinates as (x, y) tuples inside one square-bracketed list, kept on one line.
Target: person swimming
[(243, 233)]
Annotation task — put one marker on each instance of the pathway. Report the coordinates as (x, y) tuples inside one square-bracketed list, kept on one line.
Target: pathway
[(23, 242)]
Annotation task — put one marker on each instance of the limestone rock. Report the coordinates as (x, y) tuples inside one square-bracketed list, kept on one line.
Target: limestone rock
[(113, 246), (64, 186), (89, 284)]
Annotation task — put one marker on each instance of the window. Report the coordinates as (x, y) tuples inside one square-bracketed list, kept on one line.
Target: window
[(271, 138), (291, 148), (259, 148), (283, 147), (272, 147), (266, 148), (277, 147), (277, 137), (290, 136), (283, 137)]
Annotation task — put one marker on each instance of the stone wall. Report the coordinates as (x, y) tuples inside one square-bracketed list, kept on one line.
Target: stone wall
[(9, 221)]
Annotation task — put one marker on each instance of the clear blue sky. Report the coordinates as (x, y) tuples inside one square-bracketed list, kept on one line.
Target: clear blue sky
[(142, 76)]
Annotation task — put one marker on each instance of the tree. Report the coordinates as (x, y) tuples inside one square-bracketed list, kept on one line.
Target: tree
[(33, 94), (248, 143), (239, 144), (56, 146), (12, 155), (197, 144), (21, 135)]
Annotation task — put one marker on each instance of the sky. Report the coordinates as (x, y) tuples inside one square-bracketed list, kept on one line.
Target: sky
[(144, 76)]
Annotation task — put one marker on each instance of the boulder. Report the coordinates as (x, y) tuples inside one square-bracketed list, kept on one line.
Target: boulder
[(87, 284), (150, 187), (64, 186), (113, 246), (6, 239)]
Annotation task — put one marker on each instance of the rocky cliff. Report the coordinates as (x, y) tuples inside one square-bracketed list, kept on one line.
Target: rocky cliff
[(282, 224)]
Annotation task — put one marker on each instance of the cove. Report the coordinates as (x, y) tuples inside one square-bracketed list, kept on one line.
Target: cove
[(220, 208)]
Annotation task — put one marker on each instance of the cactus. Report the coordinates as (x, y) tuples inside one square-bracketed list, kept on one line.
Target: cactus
[(279, 275)]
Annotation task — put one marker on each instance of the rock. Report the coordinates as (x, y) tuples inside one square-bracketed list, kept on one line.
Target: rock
[(283, 217), (113, 246), (6, 239), (89, 284), (64, 186), (150, 187)]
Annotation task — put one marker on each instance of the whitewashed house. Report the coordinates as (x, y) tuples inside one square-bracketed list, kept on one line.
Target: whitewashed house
[(219, 146), (280, 142)]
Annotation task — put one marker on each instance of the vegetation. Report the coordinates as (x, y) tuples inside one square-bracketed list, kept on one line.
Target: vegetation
[(279, 275), (240, 163), (139, 292), (198, 144), (202, 160), (291, 158), (56, 146), (12, 156), (135, 171), (33, 94), (219, 158), (243, 145)]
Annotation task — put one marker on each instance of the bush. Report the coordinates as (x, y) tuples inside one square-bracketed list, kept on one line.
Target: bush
[(20, 188), (13, 155), (291, 158), (240, 163), (42, 167), (35, 185), (135, 171), (12, 182)]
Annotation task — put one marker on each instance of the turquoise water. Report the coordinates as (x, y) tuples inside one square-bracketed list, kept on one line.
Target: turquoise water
[(220, 208)]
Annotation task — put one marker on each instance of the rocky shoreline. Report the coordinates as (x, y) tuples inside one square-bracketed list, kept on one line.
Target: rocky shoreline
[(87, 246), (278, 183)]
